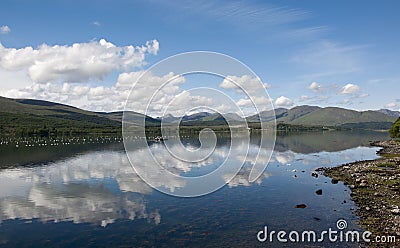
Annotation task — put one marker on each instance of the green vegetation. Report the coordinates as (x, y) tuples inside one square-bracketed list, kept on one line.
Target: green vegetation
[(287, 128), (395, 130), (368, 125), (27, 117), (387, 165), (35, 125), (332, 117), (337, 116)]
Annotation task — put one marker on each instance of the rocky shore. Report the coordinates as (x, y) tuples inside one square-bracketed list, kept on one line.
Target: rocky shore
[(375, 188)]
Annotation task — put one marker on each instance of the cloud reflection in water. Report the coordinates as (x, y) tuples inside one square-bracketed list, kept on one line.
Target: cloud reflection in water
[(97, 187)]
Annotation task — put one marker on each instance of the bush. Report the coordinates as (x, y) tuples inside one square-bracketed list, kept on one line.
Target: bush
[(395, 130)]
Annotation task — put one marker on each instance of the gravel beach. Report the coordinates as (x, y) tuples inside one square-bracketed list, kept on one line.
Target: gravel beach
[(375, 188)]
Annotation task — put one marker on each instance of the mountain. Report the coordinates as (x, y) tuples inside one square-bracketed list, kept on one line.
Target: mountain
[(53, 111), (391, 113), (333, 116), (266, 116), (282, 114), (202, 117), (29, 116), (211, 119), (131, 117), (168, 118), (296, 112), (233, 117), (195, 116), (304, 115), (36, 116), (219, 117)]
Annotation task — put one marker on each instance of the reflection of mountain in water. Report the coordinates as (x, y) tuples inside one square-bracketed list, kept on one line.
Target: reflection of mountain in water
[(326, 141), (10, 156)]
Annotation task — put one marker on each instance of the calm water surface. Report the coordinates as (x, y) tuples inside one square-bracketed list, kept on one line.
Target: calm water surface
[(88, 195)]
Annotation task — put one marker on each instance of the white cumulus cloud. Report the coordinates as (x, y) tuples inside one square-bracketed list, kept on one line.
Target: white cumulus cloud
[(391, 105), (315, 87), (254, 100), (247, 82), (79, 62), (350, 89), (103, 98), (283, 101)]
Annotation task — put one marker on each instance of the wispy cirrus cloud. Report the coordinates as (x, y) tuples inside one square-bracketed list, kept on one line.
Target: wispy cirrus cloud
[(296, 33), (252, 15), (326, 58), (244, 12)]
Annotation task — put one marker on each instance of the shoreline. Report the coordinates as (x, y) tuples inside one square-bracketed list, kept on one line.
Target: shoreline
[(375, 189)]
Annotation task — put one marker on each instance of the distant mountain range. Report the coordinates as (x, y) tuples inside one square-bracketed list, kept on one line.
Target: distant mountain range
[(37, 114), (305, 115), (329, 116), (395, 114), (203, 118)]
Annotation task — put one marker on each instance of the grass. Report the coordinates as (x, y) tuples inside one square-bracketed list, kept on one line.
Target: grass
[(387, 165), (393, 182), (391, 155)]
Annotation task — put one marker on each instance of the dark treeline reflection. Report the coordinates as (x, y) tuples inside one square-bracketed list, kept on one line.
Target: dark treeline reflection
[(12, 156)]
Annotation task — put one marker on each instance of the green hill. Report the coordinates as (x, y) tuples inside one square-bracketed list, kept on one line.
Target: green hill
[(266, 116), (329, 117), (37, 117), (297, 112), (332, 116)]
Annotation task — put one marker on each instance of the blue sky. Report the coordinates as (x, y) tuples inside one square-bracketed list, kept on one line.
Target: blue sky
[(326, 53)]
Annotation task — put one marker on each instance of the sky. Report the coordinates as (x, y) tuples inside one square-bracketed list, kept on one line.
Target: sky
[(90, 54)]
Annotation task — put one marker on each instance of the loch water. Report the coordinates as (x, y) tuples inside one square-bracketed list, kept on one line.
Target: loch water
[(87, 194)]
